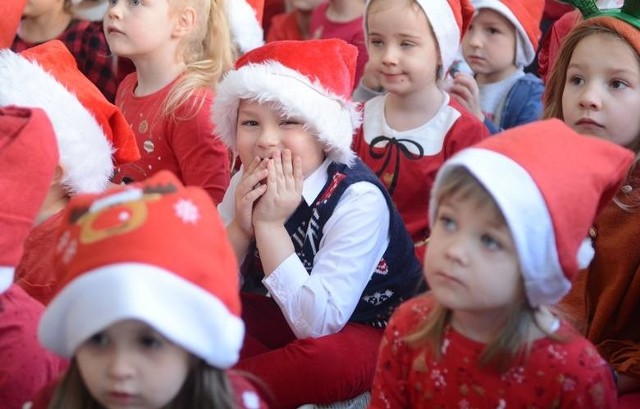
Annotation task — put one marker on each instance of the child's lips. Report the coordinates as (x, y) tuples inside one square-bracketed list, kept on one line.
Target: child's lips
[(588, 122), (113, 30)]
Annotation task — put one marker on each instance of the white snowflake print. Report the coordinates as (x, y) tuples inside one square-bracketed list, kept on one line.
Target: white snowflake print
[(515, 375), (557, 353), (187, 211), (502, 404), (569, 384), (437, 377), (63, 242), (464, 404), (250, 400), (69, 251), (445, 346)]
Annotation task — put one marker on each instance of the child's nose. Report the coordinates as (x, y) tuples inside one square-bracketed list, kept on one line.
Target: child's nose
[(114, 10), (120, 365), (390, 56), (590, 98), (268, 138), (456, 249)]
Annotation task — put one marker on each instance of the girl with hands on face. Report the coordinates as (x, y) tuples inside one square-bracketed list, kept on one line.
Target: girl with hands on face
[(325, 255)]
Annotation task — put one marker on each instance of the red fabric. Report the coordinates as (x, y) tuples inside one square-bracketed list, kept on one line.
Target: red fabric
[(10, 12), (567, 374), (551, 42), (26, 366), (244, 392), (55, 58), (284, 26), (28, 153), (35, 273), (86, 41), (415, 174), (186, 147), (271, 8), (352, 32), (629, 401), (553, 9), (296, 372)]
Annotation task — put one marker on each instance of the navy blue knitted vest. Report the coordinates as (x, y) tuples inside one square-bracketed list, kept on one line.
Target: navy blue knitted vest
[(398, 275)]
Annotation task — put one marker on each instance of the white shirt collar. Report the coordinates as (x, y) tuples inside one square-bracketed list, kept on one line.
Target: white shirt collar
[(314, 183), (6, 278)]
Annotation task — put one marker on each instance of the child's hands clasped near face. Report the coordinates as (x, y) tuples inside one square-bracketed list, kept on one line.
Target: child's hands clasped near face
[(283, 189)]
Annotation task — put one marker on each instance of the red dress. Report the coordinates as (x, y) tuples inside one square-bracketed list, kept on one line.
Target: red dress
[(184, 144), (407, 162), (566, 374)]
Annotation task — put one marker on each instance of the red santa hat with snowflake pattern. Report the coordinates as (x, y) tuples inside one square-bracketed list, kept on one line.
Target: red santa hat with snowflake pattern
[(88, 128), (549, 183), (155, 251), (525, 15), (310, 79), (28, 158), (449, 20), (245, 23)]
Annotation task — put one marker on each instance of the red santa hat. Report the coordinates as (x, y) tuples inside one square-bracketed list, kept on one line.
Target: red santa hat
[(10, 13), (449, 20), (28, 158), (155, 252), (311, 79), (525, 15), (549, 183), (245, 23), (89, 128)]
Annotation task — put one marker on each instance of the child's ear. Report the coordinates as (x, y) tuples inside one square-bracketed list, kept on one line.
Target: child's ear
[(185, 21), (58, 175)]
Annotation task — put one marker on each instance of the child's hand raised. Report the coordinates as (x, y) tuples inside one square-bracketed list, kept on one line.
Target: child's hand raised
[(465, 90), (250, 189), (283, 189)]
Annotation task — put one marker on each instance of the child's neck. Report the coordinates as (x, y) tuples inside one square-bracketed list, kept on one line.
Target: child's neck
[(54, 203), (492, 78), (480, 327), (45, 27), (409, 111), (303, 18), (343, 11), (153, 76)]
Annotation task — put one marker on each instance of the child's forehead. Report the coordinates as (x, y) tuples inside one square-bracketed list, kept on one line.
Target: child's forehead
[(489, 15)]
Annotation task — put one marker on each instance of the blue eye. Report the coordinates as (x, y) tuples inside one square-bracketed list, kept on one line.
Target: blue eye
[(490, 242), (448, 223)]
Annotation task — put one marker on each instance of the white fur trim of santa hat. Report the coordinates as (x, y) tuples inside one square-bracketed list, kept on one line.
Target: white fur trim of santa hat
[(246, 30), (526, 214), (85, 152), (188, 315), (330, 117), (526, 37)]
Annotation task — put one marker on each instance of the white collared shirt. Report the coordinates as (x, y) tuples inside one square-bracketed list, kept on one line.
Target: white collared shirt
[(354, 240)]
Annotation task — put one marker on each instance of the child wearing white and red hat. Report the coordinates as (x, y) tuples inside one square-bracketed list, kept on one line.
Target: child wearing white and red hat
[(408, 132), (311, 223), (502, 40), (148, 310), (245, 24), (92, 135), (28, 152), (510, 224)]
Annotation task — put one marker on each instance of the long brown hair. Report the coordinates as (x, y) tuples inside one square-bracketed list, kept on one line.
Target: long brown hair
[(627, 199), (205, 387), (513, 342)]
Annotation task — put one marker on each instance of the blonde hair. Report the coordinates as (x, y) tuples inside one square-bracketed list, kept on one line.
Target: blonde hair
[(554, 89), (512, 344), (205, 387), (207, 53)]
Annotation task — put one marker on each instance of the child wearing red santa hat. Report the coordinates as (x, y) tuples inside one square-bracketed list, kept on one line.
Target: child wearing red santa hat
[(501, 41), (510, 222), (28, 157), (311, 223), (148, 310), (415, 126), (91, 133)]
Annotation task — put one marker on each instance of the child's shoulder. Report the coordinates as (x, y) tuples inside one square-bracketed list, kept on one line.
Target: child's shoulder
[(408, 315)]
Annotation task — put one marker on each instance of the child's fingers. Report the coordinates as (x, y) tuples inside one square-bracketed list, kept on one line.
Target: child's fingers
[(250, 180), (298, 177), (287, 169)]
